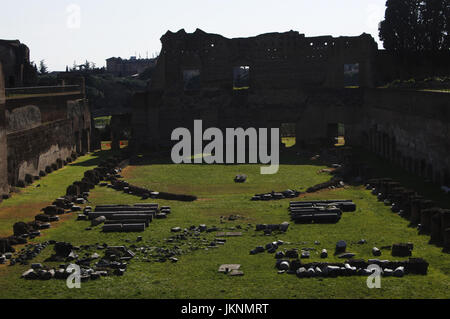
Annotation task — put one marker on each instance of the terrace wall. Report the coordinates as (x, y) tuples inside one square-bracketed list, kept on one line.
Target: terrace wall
[(411, 128), (44, 129), (4, 188)]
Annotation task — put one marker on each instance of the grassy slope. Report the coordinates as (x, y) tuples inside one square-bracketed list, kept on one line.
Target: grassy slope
[(195, 275), (384, 168), (25, 205)]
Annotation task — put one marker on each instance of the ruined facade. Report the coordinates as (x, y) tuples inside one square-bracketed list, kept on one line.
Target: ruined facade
[(17, 70), (4, 188), (275, 60), (44, 130), (316, 83), (40, 129)]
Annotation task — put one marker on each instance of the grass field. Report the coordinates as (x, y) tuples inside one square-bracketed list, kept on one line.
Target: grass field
[(195, 275), (29, 201)]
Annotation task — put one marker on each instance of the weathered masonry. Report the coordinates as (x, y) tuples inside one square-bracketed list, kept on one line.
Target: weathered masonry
[(40, 129), (318, 85), (274, 60), (4, 188), (17, 70)]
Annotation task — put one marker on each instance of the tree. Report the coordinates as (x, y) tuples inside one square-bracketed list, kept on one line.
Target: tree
[(43, 69), (416, 26), (435, 24)]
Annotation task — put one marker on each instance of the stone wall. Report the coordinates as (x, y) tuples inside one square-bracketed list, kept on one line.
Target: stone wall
[(276, 60), (156, 116), (40, 128), (17, 70), (4, 189), (411, 128), (31, 151), (58, 126)]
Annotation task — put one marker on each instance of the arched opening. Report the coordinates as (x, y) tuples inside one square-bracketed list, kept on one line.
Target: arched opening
[(191, 80), (288, 134), (336, 134), (351, 75)]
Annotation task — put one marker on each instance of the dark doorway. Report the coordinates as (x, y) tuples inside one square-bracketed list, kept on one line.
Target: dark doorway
[(85, 142), (351, 75), (336, 134), (77, 142), (11, 82), (191, 79)]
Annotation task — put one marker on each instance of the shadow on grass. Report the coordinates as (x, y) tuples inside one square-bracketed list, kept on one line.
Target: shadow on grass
[(98, 156), (288, 156), (383, 168)]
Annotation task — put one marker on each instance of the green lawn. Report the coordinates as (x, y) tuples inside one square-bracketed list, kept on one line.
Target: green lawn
[(28, 202), (195, 275)]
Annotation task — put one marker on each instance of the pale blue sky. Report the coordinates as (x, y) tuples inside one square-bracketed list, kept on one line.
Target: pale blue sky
[(122, 28)]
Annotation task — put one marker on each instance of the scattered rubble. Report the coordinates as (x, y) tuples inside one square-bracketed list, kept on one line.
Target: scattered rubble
[(352, 268), (326, 211)]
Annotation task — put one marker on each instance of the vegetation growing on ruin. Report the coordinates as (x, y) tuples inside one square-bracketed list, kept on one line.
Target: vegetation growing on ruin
[(108, 94), (437, 83)]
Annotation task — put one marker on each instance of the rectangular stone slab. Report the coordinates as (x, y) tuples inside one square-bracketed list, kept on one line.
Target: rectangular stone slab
[(229, 234), (125, 209), (230, 267), (93, 215), (154, 205)]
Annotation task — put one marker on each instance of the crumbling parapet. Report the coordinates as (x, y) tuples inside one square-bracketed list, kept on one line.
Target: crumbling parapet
[(4, 189), (273, 61), (17, 69)]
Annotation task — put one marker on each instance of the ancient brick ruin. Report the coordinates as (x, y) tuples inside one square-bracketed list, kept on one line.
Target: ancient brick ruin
[(17, 70), (3, 157), (41, 129), (314, 83)]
